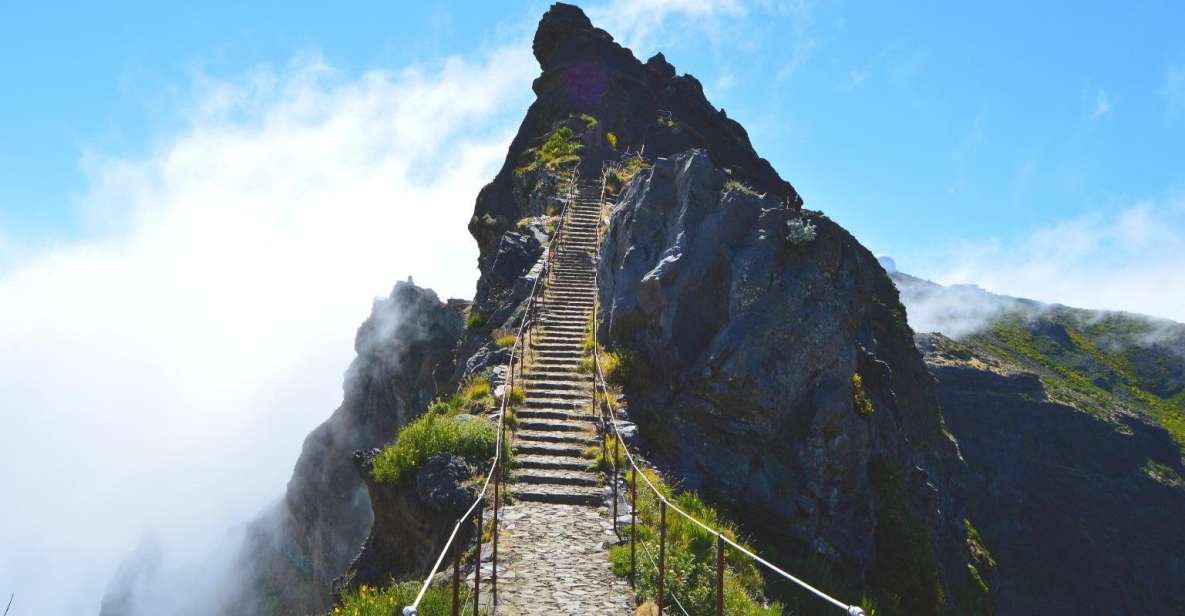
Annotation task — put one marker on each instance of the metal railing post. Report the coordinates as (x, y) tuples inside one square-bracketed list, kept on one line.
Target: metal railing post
[(494, 532), (615, 485), (719, 575), (634, 529), (662, 553), (456, 579), (477, 563)]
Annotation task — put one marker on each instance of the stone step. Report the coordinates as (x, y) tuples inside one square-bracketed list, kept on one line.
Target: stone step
[(534, 436), (536, 381), (556, 415), (558, 376), (547, 425), (558, 394), (559, 477), (553, 403), (558, 342), (534, 461), (561, 495), (550, 449)]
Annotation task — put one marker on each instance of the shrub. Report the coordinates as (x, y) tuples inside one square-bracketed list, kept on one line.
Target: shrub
[(505, 341), (623, 368), (799, 231), (474, 320), (737, 185), (612, 139), (473, 440), (523, 224), (516, 395), (604, 462), (691, 562), (589, 121), (369, 601), (860, 400)]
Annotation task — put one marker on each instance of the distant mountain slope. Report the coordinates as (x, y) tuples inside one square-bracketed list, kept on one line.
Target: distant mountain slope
[(1071, 422), (1109, 364)]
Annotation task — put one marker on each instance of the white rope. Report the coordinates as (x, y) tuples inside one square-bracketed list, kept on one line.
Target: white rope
[(532, 299), (599, 380)]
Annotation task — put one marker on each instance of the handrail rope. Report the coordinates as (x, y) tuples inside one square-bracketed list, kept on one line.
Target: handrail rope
[(599, 381), (530, 302)]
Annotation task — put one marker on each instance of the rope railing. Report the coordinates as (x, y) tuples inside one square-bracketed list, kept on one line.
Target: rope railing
[(518, 352), (609, 421)]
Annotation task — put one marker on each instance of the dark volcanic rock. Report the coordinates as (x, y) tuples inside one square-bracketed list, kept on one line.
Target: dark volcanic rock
[(746, 344), (1076, 511), (585, 71), (405, 352), (411, 521)]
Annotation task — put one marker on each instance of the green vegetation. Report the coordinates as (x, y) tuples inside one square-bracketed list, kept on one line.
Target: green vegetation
[(604, 462), (438, 430), (980, 556), (612, 139), (516, 395), (390, 601), (523, 224), (623, 368), (904, 572), (474, 321), (619, 176), (691, 556), (505, 341), (588, 120), (1086, 361), (561, 147), (860, 399), (430, 434), (1163, 473), (731, 185)]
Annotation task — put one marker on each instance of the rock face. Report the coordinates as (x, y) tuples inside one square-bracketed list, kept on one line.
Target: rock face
[(1066, 418), (405, 355), (1076, 511), (745, 345), (412, 521)]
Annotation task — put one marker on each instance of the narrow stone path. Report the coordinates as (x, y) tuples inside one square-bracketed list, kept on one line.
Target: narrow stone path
[(556, 535)]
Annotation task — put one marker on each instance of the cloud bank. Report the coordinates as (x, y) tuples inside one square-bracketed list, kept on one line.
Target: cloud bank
[(1131, 259), (159, 376)]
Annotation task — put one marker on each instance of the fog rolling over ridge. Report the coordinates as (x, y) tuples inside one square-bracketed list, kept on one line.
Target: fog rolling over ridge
[(159, 375)]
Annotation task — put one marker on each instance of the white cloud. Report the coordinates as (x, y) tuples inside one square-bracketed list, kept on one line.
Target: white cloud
[(159, 376), (1130, 259), (1102, 105)]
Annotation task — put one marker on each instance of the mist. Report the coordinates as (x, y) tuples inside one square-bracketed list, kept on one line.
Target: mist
[(160, 373)]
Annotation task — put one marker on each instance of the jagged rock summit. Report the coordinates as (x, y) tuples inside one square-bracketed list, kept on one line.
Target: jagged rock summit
[(646, 107)]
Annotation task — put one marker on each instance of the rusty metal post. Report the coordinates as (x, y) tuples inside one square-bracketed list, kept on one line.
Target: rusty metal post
[(456, 578), (662, 553), (719, 575), (633, 529), (614, 485), (477, 563), (494, 532)]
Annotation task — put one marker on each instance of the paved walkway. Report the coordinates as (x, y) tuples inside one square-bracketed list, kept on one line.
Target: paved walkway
[(557, 563)]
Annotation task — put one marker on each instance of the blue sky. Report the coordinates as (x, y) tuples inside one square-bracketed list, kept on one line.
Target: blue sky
[(914, 125)]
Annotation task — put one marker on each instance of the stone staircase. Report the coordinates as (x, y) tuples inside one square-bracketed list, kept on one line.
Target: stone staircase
[(556, 424)]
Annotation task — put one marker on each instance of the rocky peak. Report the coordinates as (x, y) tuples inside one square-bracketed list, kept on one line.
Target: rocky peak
[(638, 107)]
